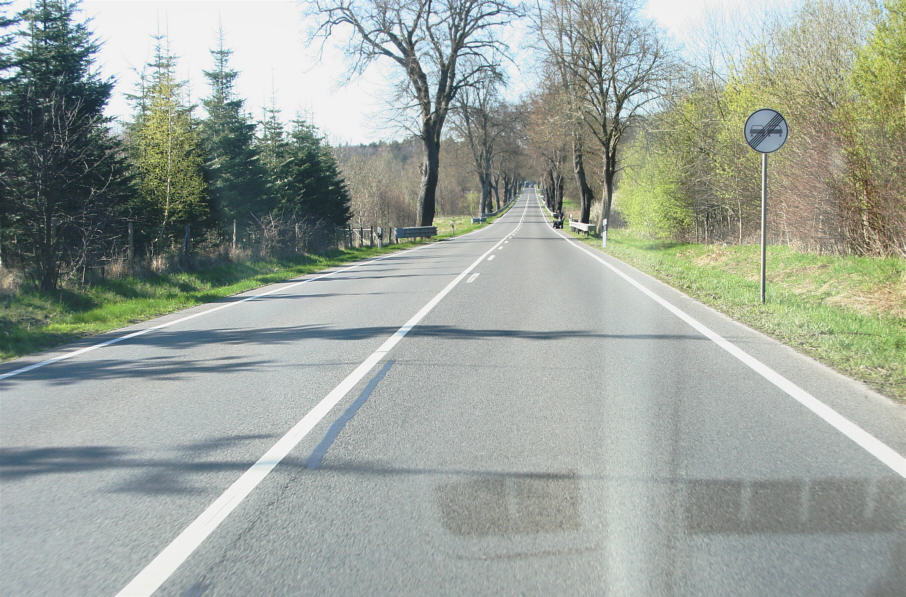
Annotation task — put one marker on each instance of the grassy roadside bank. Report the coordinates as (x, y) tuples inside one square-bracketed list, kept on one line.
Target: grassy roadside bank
[(848, 312), (31, 321)]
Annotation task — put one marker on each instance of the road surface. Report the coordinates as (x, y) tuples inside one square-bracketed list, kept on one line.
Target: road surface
[(503, 413)]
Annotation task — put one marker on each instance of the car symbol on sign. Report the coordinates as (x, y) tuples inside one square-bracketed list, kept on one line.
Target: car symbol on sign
[(760, 130)]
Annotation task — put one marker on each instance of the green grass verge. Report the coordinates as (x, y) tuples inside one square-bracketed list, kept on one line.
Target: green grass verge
[(848, 312), (31, 321)]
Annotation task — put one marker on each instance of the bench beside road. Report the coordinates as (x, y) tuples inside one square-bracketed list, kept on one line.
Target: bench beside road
[(429, 231), (415, 232), (579, 226)]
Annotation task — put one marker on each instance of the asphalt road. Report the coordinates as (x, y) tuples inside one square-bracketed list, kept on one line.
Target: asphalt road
[(503, 413)]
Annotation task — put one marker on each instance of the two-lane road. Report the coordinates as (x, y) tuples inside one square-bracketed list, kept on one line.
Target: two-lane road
[(503, 413)]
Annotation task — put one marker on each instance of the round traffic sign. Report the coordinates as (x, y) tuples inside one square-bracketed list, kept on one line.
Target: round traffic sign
[(766, 130)]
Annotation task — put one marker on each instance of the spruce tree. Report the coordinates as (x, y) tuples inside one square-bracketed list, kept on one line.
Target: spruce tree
[(236, 180), (273, 150), (6, 73), (167, 157), (271, 143), (7, 37), (310, 183), (63, 178), (334, 202)]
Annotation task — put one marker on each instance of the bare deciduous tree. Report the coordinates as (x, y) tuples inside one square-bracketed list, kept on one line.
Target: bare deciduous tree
[(550, 143), (476, 123), (556, 23), (617, 66), (441, 45), (509, 165)]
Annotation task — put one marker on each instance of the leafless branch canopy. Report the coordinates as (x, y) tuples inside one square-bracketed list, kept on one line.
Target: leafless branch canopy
[(612, 61), (612, 64), (441, 45)]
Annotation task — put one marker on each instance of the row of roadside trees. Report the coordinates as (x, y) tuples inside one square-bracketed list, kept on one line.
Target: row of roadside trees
[(622, 108), (448, 58), (79, 193), (837, 72), (384, 178), (618, 106)]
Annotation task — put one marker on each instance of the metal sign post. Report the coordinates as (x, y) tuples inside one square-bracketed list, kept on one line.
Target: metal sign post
[(766, 132), (764, 219)]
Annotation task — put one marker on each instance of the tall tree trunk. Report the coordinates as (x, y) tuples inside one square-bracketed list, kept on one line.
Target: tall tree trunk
[(495, 189), (485, 201), (548, 189), (47, 255), (586, 196), (45, 251), (428, 188), (610, 170)]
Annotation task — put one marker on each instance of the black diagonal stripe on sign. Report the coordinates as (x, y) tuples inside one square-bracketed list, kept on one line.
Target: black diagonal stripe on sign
[(760, 137), (766, 130)]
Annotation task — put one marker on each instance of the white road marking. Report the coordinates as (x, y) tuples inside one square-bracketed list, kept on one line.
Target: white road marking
[(173, 555), (884, 453), (491, 258), (472, 278), (142, 332), (138, 333)]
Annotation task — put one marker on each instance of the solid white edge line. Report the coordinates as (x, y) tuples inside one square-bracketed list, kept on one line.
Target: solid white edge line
[(144, 331), (881, 451), (141, 332), (173, 555)]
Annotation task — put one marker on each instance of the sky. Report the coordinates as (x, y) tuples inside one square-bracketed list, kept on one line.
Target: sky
[(268, 40)]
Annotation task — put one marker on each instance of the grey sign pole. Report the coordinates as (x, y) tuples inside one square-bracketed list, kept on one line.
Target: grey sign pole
[(764, 219), (766, 132)]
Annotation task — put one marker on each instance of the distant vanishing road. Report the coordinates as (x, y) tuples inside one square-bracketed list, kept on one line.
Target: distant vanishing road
[(503, 413)]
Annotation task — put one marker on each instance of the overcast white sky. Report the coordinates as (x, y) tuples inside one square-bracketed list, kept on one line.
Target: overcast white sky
[(270, 53)]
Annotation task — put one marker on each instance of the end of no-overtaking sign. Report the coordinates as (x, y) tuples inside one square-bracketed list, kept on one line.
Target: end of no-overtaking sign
[(766, 132)]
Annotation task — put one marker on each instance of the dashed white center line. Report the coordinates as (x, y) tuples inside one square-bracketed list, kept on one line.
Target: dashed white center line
[(150, 578), (472, 278), (491, 258)]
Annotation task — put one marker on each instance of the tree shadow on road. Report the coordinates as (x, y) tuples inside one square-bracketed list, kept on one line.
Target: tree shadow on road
[(175, 366), (167, 474)]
